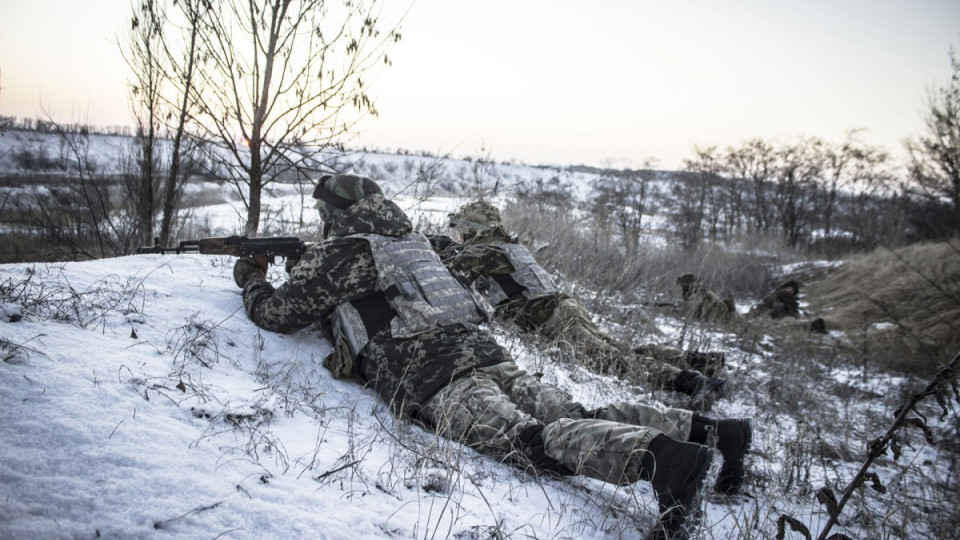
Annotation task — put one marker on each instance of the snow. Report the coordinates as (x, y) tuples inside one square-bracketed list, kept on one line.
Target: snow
[(138, 401), (202, 426)]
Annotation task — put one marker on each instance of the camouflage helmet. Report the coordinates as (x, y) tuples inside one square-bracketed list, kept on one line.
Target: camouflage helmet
[(336, 193), (476, 217)]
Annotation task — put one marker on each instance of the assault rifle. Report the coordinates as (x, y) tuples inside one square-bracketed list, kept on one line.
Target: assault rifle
[(287, 247)]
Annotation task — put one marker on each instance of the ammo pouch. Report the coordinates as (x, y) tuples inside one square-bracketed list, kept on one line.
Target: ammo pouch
[(340, 361), (350, 335), (528, 277)]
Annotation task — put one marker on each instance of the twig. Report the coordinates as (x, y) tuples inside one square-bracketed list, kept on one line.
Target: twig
[(197, 510), (878, 447), (338, 469)]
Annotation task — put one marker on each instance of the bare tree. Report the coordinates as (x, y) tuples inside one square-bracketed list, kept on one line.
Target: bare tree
[(278, 81), (181, 73), (755, 162), (935, 155), (853, 195), (873, 215), (693, 191), (733, 196), (852, 166), (87, 216), (142, 53), (800, 167), (621, 198), (486, 182)]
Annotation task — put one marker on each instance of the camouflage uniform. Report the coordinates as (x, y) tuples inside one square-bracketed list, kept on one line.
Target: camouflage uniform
[(781, 312), (456, 378), (780, 303), (702, 303), (556, 316), (710, 364), (342, 269), (522, 291), (492, 406)]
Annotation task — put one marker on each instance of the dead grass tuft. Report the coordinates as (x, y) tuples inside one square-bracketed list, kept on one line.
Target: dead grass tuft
[(901, 307)]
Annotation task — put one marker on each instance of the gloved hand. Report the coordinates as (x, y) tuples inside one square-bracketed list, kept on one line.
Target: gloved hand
[(247, 267)]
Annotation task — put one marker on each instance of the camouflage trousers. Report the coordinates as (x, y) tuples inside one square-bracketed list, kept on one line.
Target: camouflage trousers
[(488, 409), (571, 329), (666, 354), (708, 306), (707, 365)]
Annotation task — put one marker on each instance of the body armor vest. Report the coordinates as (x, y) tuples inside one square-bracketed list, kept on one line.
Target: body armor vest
[(422, 292), (532, 279)]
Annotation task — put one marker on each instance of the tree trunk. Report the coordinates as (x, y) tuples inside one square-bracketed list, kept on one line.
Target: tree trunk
[(256, 187), (146, 204), (174, 183)]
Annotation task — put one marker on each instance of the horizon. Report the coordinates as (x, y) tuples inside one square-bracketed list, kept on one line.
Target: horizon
[(611, 85)]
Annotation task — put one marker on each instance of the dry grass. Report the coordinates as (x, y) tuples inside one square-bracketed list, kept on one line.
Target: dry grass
[(900, 307)]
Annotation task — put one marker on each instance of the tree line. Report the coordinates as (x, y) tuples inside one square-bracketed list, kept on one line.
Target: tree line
[(810, 192), (806, 192), (258, 93)]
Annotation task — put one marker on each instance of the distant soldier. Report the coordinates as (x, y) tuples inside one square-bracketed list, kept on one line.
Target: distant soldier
[(702, 303), (507, 274), (783, 303), (780, 303)]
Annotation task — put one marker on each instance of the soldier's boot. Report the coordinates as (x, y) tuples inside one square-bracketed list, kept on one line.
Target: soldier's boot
[(529, 444), (703, 391), (732, 438), (818, 326), (677, 471), (708, 363)]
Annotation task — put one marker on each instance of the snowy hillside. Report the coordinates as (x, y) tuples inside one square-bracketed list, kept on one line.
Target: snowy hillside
[(140, 402), (416, 178)]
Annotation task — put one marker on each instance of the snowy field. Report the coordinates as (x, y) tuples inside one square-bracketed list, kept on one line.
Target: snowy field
[(141, 402), (138, 401)]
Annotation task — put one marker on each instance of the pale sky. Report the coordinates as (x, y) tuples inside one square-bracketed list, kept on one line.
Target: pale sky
[(604, 82)]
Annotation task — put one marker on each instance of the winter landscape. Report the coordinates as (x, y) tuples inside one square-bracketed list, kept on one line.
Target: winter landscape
[(139, 401)]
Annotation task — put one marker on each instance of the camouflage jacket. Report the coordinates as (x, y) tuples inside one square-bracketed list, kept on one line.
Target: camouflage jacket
[(484, 258), (405, 372), (782, 303)]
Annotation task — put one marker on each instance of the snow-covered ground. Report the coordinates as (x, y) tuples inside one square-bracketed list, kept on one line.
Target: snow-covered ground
[(138, 401)]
